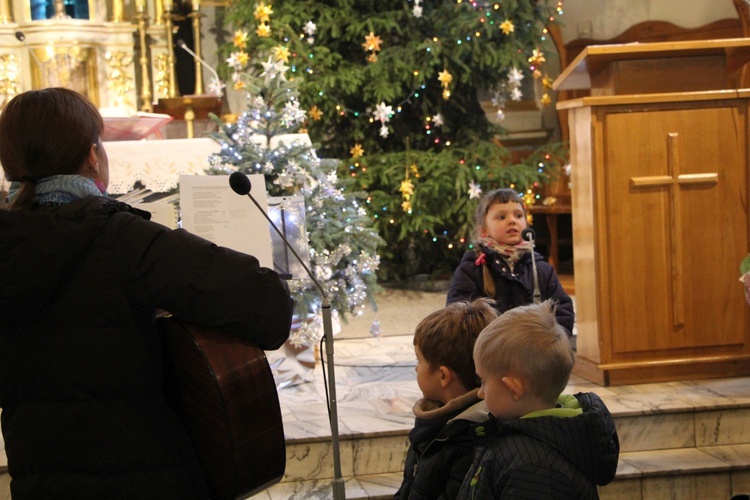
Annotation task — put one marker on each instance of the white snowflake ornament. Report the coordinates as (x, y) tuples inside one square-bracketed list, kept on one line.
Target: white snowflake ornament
[(515, 76), (475, 191), (383, 112)]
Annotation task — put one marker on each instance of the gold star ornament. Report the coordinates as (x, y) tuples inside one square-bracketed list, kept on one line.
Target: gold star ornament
[(407, 188), (263, 31), (281, 53), (372, 42), (507, 27), (240, 39), (315, 113), (263, 12), (445, 78), (357, 151)]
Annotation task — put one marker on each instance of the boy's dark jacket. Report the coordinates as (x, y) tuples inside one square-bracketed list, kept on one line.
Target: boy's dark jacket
[(83, 410), (511, 289), (545, 457), (441, 445)]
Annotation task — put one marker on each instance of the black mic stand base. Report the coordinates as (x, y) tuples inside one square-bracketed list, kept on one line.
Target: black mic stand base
[(339, 490)]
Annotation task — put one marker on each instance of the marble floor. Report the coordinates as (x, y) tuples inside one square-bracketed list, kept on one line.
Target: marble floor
[(376, 385)]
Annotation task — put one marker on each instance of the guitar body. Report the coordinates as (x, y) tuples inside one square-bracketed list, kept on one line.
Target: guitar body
[(223, 391)]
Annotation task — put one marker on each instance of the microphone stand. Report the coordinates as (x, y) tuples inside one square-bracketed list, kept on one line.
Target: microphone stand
[(339, 491), (22, 38), (181, 44), (528, 235)]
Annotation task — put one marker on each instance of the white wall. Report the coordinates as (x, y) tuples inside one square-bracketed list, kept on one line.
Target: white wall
[(604, 19)]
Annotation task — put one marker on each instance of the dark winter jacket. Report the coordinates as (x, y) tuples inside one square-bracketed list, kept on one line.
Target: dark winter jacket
[(83, 411), (441, 445), (512, 289), (545, 457)]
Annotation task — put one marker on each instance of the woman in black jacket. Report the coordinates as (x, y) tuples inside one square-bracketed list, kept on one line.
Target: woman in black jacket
[(81, 276)]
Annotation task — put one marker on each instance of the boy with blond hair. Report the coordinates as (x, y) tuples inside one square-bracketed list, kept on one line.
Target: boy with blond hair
[(538, 444), (441, 441)]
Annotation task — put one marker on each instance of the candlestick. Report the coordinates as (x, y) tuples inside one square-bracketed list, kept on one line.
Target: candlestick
[(168, 23), (196, 18), (146, 94), (117, 11)]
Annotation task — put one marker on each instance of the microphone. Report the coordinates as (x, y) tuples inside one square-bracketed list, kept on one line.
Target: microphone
[(216, 81), (240, 184), (22, 38), (528, 234)]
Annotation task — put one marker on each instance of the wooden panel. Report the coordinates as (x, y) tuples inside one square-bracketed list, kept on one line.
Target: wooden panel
[(687, 74), (582, 179), (583, 70), (643, 243)]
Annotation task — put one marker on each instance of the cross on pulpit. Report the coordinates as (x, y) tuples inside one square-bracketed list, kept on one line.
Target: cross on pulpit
[(674, 180)]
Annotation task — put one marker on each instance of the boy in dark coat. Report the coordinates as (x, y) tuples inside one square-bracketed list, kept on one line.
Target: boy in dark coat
[(538, 444), (441, 442)]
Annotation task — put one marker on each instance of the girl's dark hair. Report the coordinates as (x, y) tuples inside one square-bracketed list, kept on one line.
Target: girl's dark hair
[(502, 195), (43, 133)]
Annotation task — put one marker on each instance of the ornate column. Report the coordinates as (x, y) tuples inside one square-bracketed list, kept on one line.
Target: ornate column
[(5, 17)]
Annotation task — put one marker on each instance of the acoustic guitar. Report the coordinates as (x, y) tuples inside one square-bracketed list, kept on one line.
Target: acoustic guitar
[(223, 390)]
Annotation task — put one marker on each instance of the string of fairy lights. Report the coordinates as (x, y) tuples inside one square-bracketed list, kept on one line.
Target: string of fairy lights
[(489, 14)]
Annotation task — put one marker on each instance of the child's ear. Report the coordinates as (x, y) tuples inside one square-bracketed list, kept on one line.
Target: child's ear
[(515, 386), (446, 375)]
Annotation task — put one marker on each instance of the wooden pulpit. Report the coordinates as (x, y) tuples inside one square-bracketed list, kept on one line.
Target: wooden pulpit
[(660, 157)]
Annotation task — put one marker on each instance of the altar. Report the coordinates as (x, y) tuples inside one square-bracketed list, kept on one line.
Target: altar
[(119, 55)]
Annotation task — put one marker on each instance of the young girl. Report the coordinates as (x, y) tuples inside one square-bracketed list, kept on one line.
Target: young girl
[(501, 267)]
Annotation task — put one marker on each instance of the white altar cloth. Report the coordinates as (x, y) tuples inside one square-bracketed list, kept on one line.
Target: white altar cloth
[(157, 164)]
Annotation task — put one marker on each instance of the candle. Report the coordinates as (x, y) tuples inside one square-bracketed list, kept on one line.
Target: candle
[(117, 11), (159, 11), (196, 5), (5, 12)]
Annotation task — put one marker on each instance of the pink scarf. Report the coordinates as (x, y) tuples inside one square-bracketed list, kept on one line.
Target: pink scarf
[(511, 253)]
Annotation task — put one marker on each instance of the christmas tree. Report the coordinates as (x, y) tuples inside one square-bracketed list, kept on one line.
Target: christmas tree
[(342, 244), (392, 89)]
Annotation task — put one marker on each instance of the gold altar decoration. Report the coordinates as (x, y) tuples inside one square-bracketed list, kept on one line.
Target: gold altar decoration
[(71, 66), (119, 79), (161, 78), (93, 50), (9, 82)]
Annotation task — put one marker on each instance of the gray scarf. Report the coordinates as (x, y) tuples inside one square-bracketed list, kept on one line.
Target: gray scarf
[(60, 189)]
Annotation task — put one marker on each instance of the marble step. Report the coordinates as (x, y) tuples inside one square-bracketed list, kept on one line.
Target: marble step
[(663, 428), (710, 472), (646, 431)]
